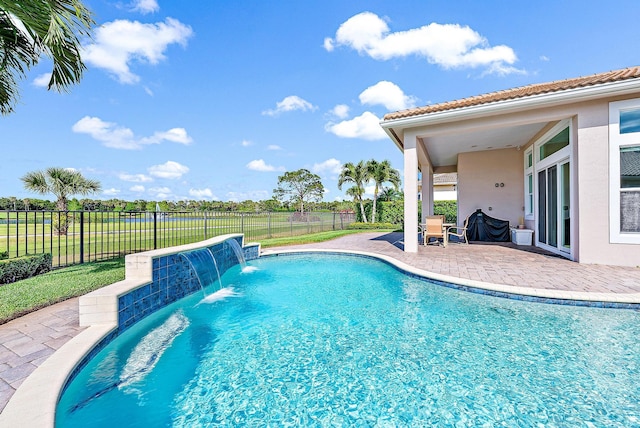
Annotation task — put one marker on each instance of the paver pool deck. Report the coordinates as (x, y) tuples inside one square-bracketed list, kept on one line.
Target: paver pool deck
[(28, 341)]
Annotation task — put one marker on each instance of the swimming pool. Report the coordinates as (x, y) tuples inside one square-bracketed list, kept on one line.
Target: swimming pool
[(342, 340)]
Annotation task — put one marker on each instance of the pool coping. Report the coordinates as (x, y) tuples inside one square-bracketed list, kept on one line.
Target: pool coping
[(45, 384)]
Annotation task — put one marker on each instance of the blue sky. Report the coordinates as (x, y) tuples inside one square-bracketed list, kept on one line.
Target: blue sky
[(215, 100)]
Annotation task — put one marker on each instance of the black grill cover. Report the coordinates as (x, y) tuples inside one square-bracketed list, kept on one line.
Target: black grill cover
[(481, 227)]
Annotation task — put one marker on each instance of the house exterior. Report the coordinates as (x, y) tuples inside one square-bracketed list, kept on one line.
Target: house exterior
[(562, 157), (444, 187)]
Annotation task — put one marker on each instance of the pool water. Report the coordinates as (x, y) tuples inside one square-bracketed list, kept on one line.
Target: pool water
[(325, 340)]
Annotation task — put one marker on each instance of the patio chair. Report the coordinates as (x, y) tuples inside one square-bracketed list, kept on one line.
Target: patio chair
[(459, 232), (433, 228)]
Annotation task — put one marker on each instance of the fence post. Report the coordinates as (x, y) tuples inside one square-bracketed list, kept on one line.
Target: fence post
[(269, 227), (155, 230), (205, 224), (81, 237), (334, 221), (242, 223)]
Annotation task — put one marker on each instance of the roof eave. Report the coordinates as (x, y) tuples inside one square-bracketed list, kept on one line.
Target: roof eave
[(611, 89)]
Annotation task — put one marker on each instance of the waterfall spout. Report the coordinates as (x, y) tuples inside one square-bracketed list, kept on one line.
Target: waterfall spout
[(205, 267)]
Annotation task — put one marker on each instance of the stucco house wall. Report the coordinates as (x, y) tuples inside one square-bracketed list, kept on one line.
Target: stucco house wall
[(478, 173), (593, 190)]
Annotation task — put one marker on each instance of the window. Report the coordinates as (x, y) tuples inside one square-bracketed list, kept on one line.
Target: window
[(630, 189), (630, 121), (555, 144), (624, 180), (528, 184)]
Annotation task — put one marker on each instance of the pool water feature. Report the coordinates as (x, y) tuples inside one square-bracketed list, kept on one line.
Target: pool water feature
[(205, 267), (237, 250), (338, 340)]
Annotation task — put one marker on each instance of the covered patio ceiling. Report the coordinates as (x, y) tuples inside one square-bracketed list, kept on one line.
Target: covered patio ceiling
[(443, 149)]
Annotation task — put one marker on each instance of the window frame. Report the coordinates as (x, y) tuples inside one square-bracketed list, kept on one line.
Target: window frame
[(617, 141), (528, 192)]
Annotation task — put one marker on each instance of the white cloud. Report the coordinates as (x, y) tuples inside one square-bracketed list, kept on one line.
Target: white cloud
[(341, 111), (137, 188), (110, 192), (161, 192), (262, 166), (121, 42), (330, 166), (175, 135), (135, 178), (254, 195), (170, 169), (145, 6), (246, 143), (368, 190), (290, 103), (544, 58), (119, 137), (202, 193), (42, 81), (273, 147), (387, 94), (365, 126), (447, 45)]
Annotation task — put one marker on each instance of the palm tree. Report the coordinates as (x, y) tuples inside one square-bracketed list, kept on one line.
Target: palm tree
[(380, 173), (390, 194), (358, 175), (62, 183), (30, 29)]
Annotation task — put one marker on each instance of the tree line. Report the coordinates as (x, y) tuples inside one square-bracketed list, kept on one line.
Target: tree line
[(296, 190)]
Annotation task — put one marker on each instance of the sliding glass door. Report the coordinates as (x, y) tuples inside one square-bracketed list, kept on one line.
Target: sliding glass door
[(554, 221)]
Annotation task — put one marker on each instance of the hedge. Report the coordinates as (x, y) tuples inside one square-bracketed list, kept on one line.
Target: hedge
[(365, 226), (393, 211), (13, 270)]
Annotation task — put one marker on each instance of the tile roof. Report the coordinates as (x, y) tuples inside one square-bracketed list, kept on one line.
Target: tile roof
[(630, 164), (522, 92), (445, 178)]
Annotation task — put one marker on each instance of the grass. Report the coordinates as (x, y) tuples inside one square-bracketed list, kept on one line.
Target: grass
[(313, 238), (30, 294), (22, 297)]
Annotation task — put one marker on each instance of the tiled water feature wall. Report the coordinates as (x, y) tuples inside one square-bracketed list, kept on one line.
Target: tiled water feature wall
[(172, 279)]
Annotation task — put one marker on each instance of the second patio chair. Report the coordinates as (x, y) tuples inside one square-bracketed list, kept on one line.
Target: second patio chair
[(459, 232)]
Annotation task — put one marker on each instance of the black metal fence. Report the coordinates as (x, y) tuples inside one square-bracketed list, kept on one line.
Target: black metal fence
[(84, 236)]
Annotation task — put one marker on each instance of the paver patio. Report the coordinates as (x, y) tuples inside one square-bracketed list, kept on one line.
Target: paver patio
[(27, 341)]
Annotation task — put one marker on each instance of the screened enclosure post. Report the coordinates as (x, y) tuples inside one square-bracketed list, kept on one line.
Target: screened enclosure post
[(155, 230), (81, 237)]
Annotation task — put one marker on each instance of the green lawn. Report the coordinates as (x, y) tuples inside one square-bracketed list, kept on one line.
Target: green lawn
[(312, 238), (30, 294)]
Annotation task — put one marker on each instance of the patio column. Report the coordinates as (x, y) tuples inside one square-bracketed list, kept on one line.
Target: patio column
[(427, 191), (410, 193)]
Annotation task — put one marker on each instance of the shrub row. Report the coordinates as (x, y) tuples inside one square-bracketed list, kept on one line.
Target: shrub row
[(13, 270), (393, 211)]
